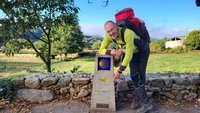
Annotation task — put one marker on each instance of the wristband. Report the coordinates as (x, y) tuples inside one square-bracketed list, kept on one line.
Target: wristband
[(119, 71)]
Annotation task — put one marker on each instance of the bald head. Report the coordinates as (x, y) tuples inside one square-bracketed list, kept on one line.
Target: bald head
[(109, 22), (111, 28)]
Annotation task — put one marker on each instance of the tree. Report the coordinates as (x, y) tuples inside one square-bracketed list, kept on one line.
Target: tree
[(67, 39), (75, 40), (96, 45), (159, 45), (90, 40), (23, 17), (155, 47), (11, 47), (14, 46), (192, 41)]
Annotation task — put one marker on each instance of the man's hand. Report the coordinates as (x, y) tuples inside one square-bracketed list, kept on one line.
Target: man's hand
[(112, 52), (116, 75), (116, 52)]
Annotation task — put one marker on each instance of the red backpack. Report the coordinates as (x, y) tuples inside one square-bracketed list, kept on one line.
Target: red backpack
[(198, 2), (126, 19)]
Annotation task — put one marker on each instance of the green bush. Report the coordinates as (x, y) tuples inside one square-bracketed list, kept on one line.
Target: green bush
[(75, 69), (26, 51), (87, 53), (192, 41), (177, 50), (2, 67), (158, 46), (96, 45), (7, 88), (68, 59)]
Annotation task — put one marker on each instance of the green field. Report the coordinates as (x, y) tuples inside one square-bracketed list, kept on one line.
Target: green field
[(23, 64), (182, 63)]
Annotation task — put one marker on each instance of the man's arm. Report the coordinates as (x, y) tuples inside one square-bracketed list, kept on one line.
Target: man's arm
[(130, 49), (104, 45)]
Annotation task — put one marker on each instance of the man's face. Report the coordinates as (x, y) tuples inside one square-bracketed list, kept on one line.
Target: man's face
[(111, 30)]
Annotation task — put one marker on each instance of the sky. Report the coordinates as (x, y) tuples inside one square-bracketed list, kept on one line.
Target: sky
[(163, 18)]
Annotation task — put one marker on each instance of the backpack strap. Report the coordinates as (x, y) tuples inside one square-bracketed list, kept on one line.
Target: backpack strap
[(122, 33), (114, 41), (137, 42)]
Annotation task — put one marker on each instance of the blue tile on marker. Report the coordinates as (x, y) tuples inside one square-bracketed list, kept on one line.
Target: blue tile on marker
[(104, 63)]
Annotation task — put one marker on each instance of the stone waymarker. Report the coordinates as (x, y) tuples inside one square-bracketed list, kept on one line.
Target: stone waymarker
[(103, 93)]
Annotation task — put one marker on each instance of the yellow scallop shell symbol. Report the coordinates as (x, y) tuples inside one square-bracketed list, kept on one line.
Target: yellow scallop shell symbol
[(101, 63)]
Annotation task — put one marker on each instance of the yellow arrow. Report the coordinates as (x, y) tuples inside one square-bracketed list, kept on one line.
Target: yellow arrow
[(105, 80)]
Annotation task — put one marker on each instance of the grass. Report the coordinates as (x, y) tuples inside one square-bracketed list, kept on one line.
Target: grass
[(24, 64), (20, 64), (87, 65), (182, 63)]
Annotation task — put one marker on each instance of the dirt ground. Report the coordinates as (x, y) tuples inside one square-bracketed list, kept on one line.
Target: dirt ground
[(64, 106)]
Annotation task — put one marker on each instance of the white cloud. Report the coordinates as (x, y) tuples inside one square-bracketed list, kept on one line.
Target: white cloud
[(92, 30), (160, 33), (155, 33)]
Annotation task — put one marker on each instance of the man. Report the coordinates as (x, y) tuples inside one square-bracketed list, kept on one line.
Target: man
[(136, 59)]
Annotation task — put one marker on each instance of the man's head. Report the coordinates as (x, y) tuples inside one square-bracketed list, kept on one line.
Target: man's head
[(111, 28)]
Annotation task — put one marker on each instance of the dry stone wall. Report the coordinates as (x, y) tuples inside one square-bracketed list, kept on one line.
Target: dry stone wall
[(40, 87)]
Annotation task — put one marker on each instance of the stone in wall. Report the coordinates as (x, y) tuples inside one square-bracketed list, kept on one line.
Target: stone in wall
[(180, 88), (35, 95), (32, 82), (73, 92), (181, 81), (168, 82), (41, 76), (80, 81), (167, 94), (194, 79), (121, 85), (63, 82), (156, 82), (48, 81), (64, 90), (57, 75), (179, 97), (192, 96), (19, 82), (154, 89), (83, 93)]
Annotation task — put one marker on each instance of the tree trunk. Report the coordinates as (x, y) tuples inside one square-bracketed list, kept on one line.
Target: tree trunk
[(60, 58), (48, 65), (47, 60), (65, 55), (49, 53)]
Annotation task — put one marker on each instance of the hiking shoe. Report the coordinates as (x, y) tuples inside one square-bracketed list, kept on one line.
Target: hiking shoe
[(135, 105), (144, 108)]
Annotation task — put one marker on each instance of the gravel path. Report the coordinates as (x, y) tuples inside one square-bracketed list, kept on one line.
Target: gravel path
[(80, 107)]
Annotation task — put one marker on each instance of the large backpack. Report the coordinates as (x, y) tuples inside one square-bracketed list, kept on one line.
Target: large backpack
[(126, 19)]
